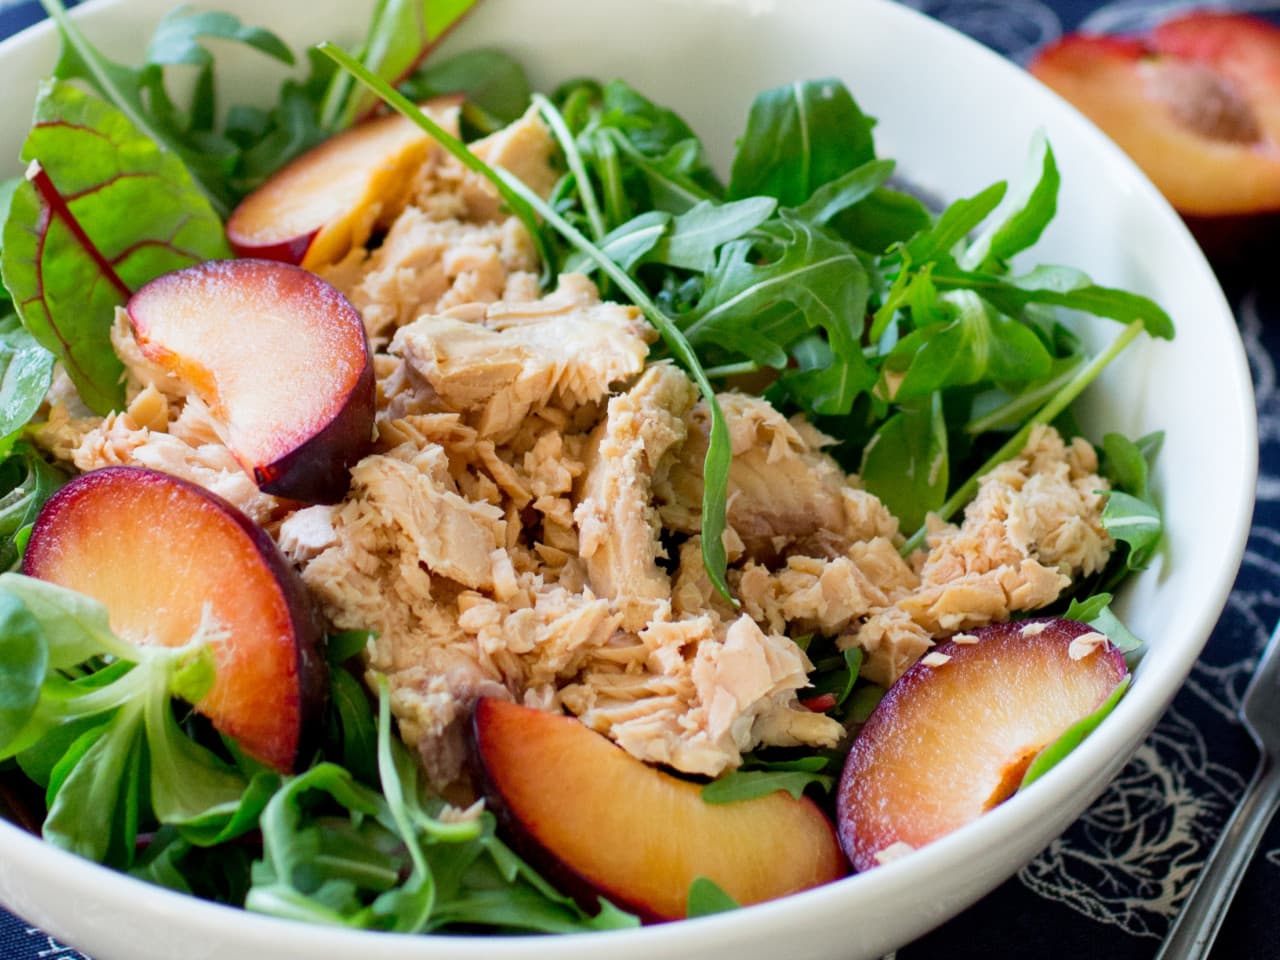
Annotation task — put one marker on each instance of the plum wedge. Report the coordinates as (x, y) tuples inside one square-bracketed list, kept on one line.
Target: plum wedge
[(601, 822), (168, 559), (280, 357), (956, 733), (320, 205)]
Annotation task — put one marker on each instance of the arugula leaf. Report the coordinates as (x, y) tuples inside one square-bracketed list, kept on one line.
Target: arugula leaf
[(177, 37), (1052, 755), (1125, 462), (954, 225), (836, 676), (1096, 612), (1059, 287), (769, 291), (494, 84), (865, 699), (978, 344), (739, 785), (69, 258), (1131, 514), (798, 138), (706, 897), (1135, 522), (626, 245), (696, 234), (339, 853), (1027, 211), (906, 463), (837, 196), (400, 34)]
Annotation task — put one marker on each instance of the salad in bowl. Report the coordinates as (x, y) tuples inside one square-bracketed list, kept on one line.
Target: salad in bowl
[(440, 507)]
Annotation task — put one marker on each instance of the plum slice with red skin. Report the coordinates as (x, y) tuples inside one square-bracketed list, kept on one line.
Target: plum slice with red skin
[(955, 734), (1196, 103), (166, 557), (318, 206), (599, 822), (280, 357)]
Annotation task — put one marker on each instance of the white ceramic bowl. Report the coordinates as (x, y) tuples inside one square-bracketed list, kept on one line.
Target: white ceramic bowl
[(957, 117)]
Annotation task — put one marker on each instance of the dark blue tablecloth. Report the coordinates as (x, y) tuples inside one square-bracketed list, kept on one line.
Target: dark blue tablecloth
[(1108, 888)]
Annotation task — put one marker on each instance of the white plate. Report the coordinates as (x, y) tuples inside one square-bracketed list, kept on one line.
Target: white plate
[(957, 117)]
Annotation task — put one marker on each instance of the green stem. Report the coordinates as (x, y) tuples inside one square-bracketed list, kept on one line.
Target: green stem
[(732, 369), (1014, 445), (715, 470), (574, 159), (528, 205)]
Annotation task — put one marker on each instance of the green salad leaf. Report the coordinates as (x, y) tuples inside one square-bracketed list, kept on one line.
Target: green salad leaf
[(69, 258), (1052, 755), (707, 897), (116, 748), (400, 34), (739, 785), (140, 93)]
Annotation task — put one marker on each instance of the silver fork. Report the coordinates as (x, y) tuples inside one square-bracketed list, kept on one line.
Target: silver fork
[(1196, 927)]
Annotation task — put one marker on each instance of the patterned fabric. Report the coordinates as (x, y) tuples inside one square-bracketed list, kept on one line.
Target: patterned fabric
[(1110, 885)]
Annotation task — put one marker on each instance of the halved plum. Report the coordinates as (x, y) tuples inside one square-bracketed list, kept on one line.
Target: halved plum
[(600, 822), (317, 207), (956, 733), (166, 557), (1196, 103), (280, 357)]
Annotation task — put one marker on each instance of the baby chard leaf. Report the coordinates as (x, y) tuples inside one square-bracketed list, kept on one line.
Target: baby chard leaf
[(68, 256), (140, 94)]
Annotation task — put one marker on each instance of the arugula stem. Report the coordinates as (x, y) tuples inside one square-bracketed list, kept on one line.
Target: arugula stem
[(1013, 410), (1014, 445), (528, 205), (690, 191), (715, 470), (573, 157), (404, 106), (732, 369), (92, 62)]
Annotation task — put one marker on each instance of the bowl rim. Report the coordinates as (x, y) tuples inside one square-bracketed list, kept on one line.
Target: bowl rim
[(1159, 680)]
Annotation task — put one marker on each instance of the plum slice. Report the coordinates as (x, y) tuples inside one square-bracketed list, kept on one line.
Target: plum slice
[(324, 202), (1196, 103), (955, 734), (599, 821), (280, 357), (166, 557)]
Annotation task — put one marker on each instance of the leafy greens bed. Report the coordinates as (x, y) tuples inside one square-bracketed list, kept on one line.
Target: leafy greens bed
[(809, 274)]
